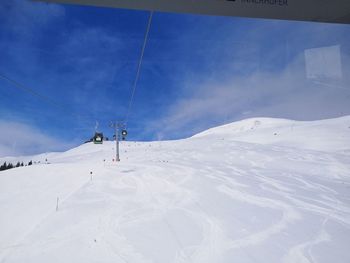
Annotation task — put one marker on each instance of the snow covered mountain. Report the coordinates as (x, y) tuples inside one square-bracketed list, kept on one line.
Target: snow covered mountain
[(258, 190), (323, 135)]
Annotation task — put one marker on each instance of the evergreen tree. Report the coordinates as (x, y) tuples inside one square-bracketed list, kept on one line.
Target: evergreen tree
[(3, 166), (30, 163)]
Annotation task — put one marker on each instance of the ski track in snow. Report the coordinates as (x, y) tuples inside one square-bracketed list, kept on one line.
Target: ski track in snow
[(168, 202)]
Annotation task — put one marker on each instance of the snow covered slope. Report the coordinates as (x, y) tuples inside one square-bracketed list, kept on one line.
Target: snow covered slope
[(236, 193), (323, 135)]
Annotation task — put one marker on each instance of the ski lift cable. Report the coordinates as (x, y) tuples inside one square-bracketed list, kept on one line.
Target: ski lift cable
[(139, 68), (44, 98), (31, 91)]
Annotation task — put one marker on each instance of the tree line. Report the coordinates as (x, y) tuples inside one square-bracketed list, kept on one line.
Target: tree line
[(6, 166)]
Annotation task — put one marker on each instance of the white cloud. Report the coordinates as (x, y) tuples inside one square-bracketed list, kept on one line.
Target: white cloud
[(287, 94), (22, 139), (26, 18), (265, 76)]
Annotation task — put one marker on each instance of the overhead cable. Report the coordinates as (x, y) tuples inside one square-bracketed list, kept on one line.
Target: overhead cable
[(32, 92), (44, 98), (139, 67)]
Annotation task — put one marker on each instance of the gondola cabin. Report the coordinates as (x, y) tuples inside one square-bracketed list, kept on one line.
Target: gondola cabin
[(124, 134), (98, 138)]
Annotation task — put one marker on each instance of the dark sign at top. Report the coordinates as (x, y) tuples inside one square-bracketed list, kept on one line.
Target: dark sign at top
[(332, 11), (267, 2)]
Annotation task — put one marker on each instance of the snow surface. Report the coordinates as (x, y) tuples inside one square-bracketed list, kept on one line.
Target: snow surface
[(259, 190)]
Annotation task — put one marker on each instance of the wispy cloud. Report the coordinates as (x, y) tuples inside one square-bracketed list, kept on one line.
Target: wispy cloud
[(286, 93), (22, 139), (74, 65), (26, 19)]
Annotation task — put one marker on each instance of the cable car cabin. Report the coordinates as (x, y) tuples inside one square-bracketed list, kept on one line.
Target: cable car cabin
[(124, 134), (98, 138)]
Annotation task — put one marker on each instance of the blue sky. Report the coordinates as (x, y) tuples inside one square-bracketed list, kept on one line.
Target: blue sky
[(198, 72)]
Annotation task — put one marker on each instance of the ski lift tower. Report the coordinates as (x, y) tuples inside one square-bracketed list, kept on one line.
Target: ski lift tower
[(118, 126)]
